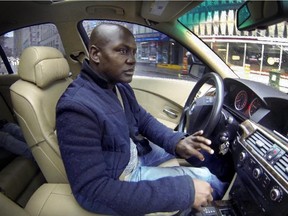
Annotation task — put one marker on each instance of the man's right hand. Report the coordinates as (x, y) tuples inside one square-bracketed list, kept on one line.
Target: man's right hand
[(203, 194)]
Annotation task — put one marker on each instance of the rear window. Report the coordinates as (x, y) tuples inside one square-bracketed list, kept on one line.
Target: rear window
[(14, 42)]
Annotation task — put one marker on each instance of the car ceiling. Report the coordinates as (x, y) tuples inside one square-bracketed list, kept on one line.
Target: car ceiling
[(24, 13)]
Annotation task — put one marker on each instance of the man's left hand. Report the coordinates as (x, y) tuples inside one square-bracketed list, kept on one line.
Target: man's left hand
[(191, 146)]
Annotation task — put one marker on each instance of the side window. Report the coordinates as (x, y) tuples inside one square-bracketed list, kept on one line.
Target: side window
[(14, 42), (3, 69), (157, 54)]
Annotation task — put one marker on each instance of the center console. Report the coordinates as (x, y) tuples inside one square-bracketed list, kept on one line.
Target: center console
[(261, 161), (261, 186), (217, 208)]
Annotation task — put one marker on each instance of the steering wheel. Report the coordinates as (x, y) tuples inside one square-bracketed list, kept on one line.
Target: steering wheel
[(203, 113)]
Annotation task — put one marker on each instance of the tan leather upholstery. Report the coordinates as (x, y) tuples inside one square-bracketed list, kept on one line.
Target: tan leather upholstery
[(16, 176), (44, 76), (55, 200), (58, 200), (9, 208)]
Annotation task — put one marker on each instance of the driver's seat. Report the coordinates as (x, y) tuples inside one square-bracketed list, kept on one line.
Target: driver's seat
[(44, 76)]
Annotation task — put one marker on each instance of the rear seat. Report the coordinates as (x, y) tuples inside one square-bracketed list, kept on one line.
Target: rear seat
[(10, 208), (19, 180), (19, 177)]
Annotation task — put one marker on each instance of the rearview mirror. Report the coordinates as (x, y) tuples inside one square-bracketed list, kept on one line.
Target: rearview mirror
[(261, 14)]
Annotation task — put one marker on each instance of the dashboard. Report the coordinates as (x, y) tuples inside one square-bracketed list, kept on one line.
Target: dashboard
[(260, 149), (246, 102), (261, 163), (246, 99)]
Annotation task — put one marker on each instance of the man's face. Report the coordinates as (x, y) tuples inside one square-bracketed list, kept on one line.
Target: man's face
[(116, 59)]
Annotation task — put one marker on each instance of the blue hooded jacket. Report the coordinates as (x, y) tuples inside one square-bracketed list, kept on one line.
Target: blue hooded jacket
[(94, 139)]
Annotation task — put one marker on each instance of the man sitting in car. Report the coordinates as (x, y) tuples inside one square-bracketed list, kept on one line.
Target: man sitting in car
[(106, 139)]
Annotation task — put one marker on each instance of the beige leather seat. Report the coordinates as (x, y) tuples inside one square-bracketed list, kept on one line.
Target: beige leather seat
[(9, 208), (44, 76)]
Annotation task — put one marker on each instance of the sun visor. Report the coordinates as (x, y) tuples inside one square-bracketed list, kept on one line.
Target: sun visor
[(165, 11)]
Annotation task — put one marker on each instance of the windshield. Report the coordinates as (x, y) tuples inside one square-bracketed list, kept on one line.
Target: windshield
[(260, 55)]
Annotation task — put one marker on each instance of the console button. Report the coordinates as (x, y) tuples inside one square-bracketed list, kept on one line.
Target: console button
[(266, 181), (257, 173), (272, 152), (242, 156), (275, 194)]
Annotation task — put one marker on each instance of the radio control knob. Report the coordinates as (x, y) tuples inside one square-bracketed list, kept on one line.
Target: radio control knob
[(257, 173), (275, 194), (242, 156)]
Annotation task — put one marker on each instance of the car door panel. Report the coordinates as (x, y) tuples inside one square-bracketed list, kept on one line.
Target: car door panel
[(163, 98)]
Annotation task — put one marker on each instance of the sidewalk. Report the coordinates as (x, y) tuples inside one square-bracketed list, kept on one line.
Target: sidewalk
[(151, 68)]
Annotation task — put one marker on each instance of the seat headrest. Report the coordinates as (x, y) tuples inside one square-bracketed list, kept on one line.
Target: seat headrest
[(42, 65)]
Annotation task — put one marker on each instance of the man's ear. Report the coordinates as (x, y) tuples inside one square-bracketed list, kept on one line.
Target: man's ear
[(94, 54)]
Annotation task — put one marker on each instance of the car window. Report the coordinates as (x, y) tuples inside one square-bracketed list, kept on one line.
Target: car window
[(260, 55), (14, 42), (3, 69), (157, 54)]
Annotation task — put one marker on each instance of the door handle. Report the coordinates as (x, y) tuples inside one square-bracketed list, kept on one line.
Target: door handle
[(171, 113)]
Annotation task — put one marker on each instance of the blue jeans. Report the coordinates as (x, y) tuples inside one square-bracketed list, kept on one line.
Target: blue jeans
[(147, 169)]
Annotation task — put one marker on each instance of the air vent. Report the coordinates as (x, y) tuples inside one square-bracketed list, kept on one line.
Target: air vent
[(259, 143), (282, 166)]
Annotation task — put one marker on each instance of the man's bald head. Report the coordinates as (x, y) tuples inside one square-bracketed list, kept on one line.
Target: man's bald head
[(112, 51), (106, 32)]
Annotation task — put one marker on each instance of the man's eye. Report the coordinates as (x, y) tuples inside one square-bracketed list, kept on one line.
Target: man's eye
[(123, 51)]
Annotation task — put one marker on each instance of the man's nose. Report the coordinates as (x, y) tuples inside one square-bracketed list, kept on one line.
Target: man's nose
[(131, 59)]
